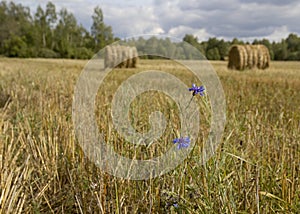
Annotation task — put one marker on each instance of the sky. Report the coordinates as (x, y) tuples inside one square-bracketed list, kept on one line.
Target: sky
[(224, 19)]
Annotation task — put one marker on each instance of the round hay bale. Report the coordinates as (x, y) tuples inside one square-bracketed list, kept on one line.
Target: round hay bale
[(108, 60), (120, 56), (237, 57), (249, 56), (266, 56), (119, 60), (124, 53), (232, 57), (255, 56), (245, 57), (130, 56), (263, 57), (249, 60), (114, 56), (259, 56), (135, 58)]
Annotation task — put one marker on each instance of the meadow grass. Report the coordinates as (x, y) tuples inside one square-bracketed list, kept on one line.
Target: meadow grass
[(43, 168)]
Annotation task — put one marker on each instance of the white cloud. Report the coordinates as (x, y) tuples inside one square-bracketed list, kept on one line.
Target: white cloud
[(279, 33), (223, 19), (181, 30), (128, 21), (270, 2)]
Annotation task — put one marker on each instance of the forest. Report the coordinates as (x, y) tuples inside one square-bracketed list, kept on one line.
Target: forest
[(48, 33)]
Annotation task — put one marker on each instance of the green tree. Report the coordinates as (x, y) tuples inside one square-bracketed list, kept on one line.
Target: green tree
[(223, 48), (213, 49), (280, 50), (213, 54), (170, 47), (212, 43), (15, 21), (293, 42), (64, 34), (51, 19), (44, 25), (193, 40), (101, 33), (41, 26), (151, 46), (15, 47), (235, 41)]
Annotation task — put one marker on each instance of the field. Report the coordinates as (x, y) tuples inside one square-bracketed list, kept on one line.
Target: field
[(256, 168)]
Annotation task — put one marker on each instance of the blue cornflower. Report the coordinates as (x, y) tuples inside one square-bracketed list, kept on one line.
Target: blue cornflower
[(182, 142), (197, 90), (175, 205)]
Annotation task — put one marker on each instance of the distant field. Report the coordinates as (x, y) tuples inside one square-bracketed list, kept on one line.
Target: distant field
[(43, 169)]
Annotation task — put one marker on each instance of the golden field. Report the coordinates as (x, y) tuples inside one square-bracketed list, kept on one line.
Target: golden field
[(43, 169)]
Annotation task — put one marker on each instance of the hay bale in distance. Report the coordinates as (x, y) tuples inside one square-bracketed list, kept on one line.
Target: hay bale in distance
[(135, 58), (260, 57), (264, 57), (237, 57), (114, 56), (108, 60), (129, 58), (255, 56), (249, 59), (248, 56), (121, 57)]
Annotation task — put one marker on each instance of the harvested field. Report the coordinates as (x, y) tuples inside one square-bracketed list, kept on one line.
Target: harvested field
[(43, 168)]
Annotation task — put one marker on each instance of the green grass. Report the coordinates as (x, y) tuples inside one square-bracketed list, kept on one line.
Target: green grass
[(43, 169)]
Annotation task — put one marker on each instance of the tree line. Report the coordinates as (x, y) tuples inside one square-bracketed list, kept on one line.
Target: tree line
[(49, 33), (215, 49)]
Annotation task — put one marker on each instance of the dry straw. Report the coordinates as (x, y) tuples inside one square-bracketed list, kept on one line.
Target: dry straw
[(255, 55), (121, 57), (249, 60), (120, 62), (108, 57), (264, 57), (129, 59), (249, 56), (237, 57)]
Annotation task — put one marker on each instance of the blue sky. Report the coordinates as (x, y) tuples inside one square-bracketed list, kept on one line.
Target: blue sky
[(244, 19)]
